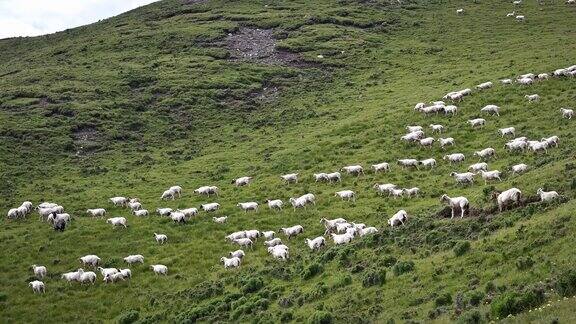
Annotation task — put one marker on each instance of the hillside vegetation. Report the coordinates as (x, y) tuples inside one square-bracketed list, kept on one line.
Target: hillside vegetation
[(196, 93)]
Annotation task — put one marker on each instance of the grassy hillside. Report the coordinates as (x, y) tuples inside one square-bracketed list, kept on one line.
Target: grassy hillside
[(172, 94)]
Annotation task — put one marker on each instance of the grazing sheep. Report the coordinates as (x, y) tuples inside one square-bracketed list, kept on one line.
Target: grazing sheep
[(292, 231), (367, 231), (248, 206), (220, 220), (160, 238), (237, 254), (547, 195), (163, 211), (460, 11), (520, 18), (427, 142), (57, 218), (412, 129), (97, 212), (511, 195), (525, 81), (13, 213), (135, 258), (342, 238), (519, 168), (177, 190), (279, 253), (343, 227), (411, 192), (242, 181), (37, 286), (334, 177), (413, 136), (159, 269), (189, 212), (516, 145), (477, 122), (134, 205), (253, 234), (419, 106), (532, 97), (428, 163), (456, 203), (114, 277), (233, 262), (330, 225), (235, 236), (485, 153), (87, 277), (543, 76), (463, 178), (451, 109), (90, 260), (536, 146), (382, 188), (107, 271), (405, 163), (316, 243), (289, 178), (268, 234), (437, 128), (244, 242), (211, 207), (168, 194), (207, 190), (491, 109), (71, 276), (127, 273), (384, 166), (346, 195), (454, 157), (507, 131), (490, 175), (119, 201), (396, 193), (302, 201), (478, 166), (39, 271), (551, 141), (485, 85), (446, 141), (140, 213), (320, 177), (353, 169), (273, 242), (399, 218), (506, 81), (117, 221), (567, 113)]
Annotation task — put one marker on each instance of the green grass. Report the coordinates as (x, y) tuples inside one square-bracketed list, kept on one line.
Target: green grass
[(166, 107)]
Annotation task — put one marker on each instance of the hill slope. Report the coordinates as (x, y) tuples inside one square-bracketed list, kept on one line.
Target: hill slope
[(201, 92)]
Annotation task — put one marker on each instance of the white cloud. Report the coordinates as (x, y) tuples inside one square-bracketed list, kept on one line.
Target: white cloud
[(39, 17)]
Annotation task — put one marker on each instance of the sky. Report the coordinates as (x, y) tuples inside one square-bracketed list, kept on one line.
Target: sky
[(40, 17)]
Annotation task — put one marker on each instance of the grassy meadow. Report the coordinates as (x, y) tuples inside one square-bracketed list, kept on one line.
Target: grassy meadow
[(134, 104)]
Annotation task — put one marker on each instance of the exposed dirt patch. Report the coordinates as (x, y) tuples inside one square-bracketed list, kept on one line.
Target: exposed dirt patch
[(259, 45), (86, 140)]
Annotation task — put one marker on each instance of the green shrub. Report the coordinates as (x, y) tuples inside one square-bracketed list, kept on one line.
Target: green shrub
[(444, 299), (402, 267), (524, 263), (320, 317), (471, 317), (3, 297), (475, 297), (461, 248), (566, 283), (374, 277), (516, 302), (252, 285), (311, 270), (129, 317), (342, 281)]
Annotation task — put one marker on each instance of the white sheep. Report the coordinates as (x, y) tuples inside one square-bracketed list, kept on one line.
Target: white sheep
[(39, 271), (419, 106), (367, 231), (478, 166), (160, 238), (220, 220), (168, 194), (14, 213), (412, 129), (382, 188), (140, 213), (547, 195), (114, 277), (273, 242), (451, 109), (290, 177), (543, 76), (246, 206), (46, 205), (477, 122), (117, 221), (86, 277), (383, 166), (334, 177), (516, 145), (485, 85), (176, 190), (400, 217), (242, 181), (525, 81), (57, 218), (320, 177), (507, 131), (427, 142), (163, 211), (135, 258), (460, 11), (292, 231), (96, 212), (411, 192), (253, 234), (567, 113), (446, 141), (342, 238), (244, 242), (279, 253), (405, 163), (428, 163), (135, 205), (235, 236), (463, 178), (396, 193), (413, 136), (456, 203), (506, 81), (519, 168), (268, 234), (353, 169), (437, 128), (485, 153), (520, 17), (490, 175), (211, 207), (536, 146), (119, 201), (237, 254), (551, 141), (159, 269), (90, 260), (491, 109), (454, 157), (37, 286), (505, 197), (71, 276), (233, 262), (343, 227), (330, 224), (346, 195), (302, 201), (207, 190), (107, 271), (532, 97), (316, 243)]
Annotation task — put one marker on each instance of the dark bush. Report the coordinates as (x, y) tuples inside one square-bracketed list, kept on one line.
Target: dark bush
[(311, 270), (321, 317), (524, 263), (402, 267), (3, 297), (516, 302), (566, 283), (389, 261), (129, 317), (461, 248), (444, 299), (475, 297), (286, 317), (252, 285), (471, 317), (374, 277)]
